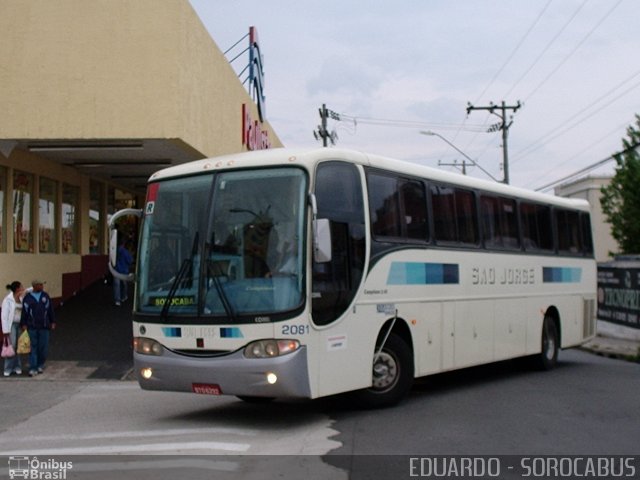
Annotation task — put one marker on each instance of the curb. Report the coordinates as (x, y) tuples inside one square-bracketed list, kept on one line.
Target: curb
[(627, 351)]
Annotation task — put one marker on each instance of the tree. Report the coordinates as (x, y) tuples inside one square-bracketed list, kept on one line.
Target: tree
[(620, 199)]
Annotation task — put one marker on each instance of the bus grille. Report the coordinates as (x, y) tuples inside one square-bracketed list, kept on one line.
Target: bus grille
[(589, 325), (202, 353)]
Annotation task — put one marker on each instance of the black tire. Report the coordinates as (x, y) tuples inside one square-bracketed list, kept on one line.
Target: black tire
[(392, 376), (250, 399), (549, 345)]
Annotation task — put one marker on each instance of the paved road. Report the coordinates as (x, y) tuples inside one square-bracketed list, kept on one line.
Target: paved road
[(102, 426), (587, 406)]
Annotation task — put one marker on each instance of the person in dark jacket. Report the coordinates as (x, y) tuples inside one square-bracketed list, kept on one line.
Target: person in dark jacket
[(123, 263), (38, 318)]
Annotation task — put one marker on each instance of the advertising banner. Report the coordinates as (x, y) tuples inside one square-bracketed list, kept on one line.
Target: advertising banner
[(619, 296)]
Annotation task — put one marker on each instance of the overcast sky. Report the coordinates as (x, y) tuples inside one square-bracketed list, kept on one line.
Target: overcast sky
[(401, 67)]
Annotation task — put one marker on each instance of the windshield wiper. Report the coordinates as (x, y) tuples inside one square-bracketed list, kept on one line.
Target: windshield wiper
[(174, 287), (223, 298), (186, 266)]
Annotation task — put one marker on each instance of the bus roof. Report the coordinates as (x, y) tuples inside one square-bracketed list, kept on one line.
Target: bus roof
[(309, 157)]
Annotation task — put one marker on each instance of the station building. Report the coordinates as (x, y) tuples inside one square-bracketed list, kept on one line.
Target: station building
[(94, 98)]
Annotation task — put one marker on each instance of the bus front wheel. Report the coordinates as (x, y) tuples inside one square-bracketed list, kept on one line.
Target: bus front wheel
[(392, 375), (550, 345)]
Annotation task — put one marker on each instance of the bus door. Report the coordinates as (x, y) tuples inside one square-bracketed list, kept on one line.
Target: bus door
[(335, 283)]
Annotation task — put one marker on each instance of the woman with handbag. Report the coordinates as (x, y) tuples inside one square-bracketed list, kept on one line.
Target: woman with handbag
[(11, 313)]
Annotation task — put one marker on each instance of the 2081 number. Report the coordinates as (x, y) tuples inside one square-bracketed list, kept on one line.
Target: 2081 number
[(295, 329)]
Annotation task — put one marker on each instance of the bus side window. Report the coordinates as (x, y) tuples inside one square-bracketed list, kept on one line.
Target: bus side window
[(499, 222), (414, 201), (509, 221), (491, 234), (568, 228), (398, 207), (537, 233), (454, 215), (571, 238), (466, 217), (339, 196), (444, 226), (587, 239)]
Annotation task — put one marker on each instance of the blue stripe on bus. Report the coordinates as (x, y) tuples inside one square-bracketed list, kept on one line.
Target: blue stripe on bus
[(231, 332), (561, 275), (172, 331), (417, 273)]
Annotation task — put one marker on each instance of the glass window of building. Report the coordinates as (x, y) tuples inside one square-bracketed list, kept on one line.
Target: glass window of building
[(48, 241), (119, 199), (124, 199), (22, 216), (70, 197), (96, 227), (3, 194)]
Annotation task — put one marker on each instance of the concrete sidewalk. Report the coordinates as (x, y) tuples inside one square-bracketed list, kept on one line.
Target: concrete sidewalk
[(613, 347), (93, 337)]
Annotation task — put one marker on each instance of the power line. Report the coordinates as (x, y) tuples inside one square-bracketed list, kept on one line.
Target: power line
[(500, 70), (406, 123), (589, 168), (554, 133), (585, 149), (591, 104), (514, 51), (570, 54), (546, 48), (575, 174), (538, 144)]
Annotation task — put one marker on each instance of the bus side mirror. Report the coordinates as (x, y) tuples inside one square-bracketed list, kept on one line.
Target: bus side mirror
[(113, 247), (113, 241), (321, 240)]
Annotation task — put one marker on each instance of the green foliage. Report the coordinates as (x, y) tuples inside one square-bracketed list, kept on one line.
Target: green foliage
[(620, 199)]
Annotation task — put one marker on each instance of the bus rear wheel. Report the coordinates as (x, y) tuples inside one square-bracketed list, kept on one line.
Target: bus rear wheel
[(392, 375)]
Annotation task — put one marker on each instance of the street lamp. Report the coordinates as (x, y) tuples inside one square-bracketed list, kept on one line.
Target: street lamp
[(434, 134)]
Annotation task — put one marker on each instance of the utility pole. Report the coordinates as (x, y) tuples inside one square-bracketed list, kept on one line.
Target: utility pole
[(504, 126), (322, 132), (471, 160), (454, 164)]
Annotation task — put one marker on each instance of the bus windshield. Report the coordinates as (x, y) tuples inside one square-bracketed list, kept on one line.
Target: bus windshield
[(224, 245)]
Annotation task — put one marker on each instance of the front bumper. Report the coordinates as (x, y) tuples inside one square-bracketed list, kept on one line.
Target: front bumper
[(234, 374)]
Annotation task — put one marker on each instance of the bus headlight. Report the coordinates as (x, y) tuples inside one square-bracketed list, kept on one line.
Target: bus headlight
[(270, 348), (146, 346)]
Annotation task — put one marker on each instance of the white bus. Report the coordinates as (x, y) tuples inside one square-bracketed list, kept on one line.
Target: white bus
[(301, 274)]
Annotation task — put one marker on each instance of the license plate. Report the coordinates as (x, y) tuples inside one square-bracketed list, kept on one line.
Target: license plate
[(206, 389)]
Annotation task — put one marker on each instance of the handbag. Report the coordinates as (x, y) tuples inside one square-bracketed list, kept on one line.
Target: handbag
[(7, 349), (24, 343)]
